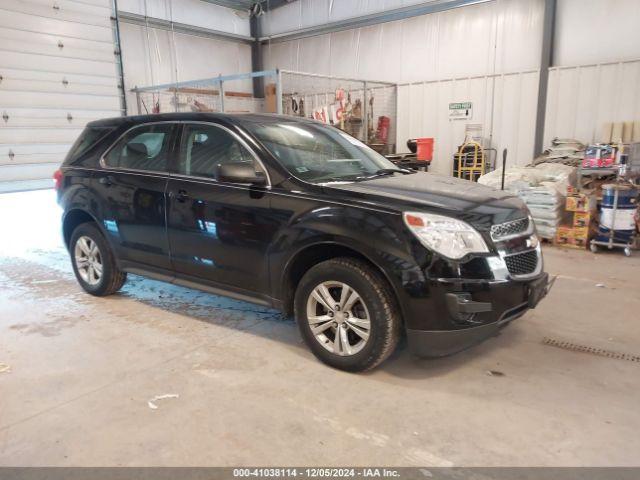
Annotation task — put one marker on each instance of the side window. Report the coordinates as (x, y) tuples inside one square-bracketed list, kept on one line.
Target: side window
[(205, 147), (143, 148)]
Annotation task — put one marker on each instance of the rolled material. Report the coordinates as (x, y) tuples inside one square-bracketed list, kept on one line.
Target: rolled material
[(616, 132), (627, 132), (636, 131), (605, 133)]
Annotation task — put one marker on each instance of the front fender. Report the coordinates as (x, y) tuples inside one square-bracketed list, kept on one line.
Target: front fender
[(376, 235)]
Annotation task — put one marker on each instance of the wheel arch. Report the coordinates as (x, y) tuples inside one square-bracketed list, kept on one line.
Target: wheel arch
[(311, 255), (72, 219)]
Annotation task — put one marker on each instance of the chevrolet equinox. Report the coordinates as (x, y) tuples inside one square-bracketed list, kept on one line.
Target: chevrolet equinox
[(297, 215)]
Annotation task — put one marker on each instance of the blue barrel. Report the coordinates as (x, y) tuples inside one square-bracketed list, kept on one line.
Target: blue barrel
[(621, 221)]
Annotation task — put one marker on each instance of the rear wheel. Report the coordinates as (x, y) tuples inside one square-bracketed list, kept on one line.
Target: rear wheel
[(347, 314), (93, 261)]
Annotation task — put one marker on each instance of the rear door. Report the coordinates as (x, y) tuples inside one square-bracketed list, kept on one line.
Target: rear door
[(132, 185), (218, 231)]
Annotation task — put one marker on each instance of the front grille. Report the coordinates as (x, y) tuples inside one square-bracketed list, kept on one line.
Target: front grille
[(522, 263), (508, 229)]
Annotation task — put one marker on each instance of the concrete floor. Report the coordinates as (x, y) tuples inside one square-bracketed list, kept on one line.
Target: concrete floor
[(83, 369)]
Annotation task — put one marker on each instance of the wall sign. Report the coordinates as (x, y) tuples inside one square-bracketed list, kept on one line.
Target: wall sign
[(460, 111)]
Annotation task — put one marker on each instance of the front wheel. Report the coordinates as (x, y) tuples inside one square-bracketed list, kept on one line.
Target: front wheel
[(93, 262), (347, 314)]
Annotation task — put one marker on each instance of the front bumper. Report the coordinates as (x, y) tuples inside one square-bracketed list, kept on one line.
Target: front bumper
[(487, 300)]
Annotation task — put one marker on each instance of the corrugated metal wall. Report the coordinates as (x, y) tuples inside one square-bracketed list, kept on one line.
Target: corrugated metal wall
[(153, 56), (487, 54), (582, 98), (597, 73), (58, 71), (504, 105)]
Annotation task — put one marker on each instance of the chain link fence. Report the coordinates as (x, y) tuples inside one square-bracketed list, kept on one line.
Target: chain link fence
[(365, 109)]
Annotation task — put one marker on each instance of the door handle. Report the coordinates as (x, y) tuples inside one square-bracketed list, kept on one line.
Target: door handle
[(108, 180), (182, 196)]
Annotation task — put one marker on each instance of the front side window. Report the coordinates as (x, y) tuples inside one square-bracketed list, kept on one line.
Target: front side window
[(143, 148), (206, 147), (318, 153)]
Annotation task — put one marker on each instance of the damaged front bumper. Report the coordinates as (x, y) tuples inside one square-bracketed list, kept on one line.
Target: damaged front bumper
[(484, 299)]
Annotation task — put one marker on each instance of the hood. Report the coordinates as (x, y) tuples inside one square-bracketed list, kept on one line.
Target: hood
[(438, 194)]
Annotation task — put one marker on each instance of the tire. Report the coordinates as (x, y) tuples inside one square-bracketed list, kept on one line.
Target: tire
[(375, 305), (86, 237)]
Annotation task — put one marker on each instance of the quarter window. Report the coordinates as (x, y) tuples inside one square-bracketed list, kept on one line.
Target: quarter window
[(143, 148), (206, 147)]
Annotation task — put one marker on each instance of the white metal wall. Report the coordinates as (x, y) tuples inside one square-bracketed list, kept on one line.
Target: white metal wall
[(596, 31), (487, 54), (198, 13), (597, 73), (154, 56), (308, 13), (582, 98), (58, 71)]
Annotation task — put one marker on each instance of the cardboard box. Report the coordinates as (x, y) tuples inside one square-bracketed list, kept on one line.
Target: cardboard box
[(583, 219), (574, 237), (599, 156), (270, 101), (580, 202), (581, 233), (564, 235)]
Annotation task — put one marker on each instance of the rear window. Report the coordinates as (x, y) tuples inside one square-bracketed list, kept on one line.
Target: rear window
[(145, 147), (87, 139)]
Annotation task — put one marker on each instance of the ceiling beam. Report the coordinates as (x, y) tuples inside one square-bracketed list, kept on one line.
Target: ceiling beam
[(273, 4), (371, 19), (162, 24)]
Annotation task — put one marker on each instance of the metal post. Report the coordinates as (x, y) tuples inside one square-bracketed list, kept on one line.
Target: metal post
[(504, 167), (118, 52), (395, 119), (257, 57), (278, 92), (365, 115), (221, 89), (546, 61), (138, 103)]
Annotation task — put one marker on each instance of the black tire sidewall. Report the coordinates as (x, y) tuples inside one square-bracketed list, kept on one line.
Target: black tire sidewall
[(340, 272), (91, 231)]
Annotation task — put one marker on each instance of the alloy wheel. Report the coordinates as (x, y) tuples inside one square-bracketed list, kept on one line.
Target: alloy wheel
[(88, 260), (338, 318)]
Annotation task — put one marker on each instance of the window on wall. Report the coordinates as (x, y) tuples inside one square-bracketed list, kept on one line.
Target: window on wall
[(143, 148), (206, 147)]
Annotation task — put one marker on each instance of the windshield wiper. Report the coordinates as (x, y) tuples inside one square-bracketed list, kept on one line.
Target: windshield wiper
[(386, 171)]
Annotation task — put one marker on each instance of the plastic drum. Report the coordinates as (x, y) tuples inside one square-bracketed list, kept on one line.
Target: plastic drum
[(620, 220)]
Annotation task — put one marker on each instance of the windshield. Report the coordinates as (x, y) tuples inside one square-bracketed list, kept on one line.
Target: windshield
[(319, 153)]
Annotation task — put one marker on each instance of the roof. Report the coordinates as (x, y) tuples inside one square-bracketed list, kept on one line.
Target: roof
[(200, 116)]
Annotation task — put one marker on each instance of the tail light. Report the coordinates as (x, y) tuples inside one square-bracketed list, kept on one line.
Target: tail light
[(57, 179)]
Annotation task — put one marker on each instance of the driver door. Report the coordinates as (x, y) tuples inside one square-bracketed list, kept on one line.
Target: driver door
[(218, 231)]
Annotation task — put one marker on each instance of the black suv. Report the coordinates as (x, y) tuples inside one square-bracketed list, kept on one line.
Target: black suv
[(297, 215)]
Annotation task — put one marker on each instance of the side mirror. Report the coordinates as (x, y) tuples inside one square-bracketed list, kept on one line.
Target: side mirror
[(240, 173)]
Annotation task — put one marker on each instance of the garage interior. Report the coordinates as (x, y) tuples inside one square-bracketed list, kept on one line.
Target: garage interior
[(538, 97)]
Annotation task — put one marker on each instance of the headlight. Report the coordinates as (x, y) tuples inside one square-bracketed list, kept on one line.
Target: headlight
[(448, 236)]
